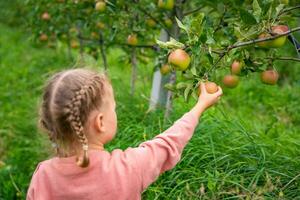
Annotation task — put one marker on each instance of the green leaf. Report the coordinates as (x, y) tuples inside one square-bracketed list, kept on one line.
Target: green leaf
[(210, 37), (195, 94), (196, 26), (172, 44), (256, 10), (181, 85), (187, 91), (180, 25), (279, 8), (194, 71), (247, 17), (169, 86)]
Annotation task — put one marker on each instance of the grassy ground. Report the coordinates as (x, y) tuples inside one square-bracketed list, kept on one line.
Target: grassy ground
[(246, 147)]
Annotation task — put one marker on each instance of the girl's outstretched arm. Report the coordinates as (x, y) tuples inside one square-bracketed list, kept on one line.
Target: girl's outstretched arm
[(164, 151)]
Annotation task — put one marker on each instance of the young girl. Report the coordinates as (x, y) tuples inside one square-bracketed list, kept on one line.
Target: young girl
[(78, 113)]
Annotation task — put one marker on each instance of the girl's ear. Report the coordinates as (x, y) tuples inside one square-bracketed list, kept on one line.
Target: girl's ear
[(98, 123)]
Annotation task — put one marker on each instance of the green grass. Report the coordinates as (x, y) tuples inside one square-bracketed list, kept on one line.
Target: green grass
[(248, 146)]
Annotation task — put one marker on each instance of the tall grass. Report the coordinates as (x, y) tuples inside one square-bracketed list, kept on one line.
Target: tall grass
[(246, 147)]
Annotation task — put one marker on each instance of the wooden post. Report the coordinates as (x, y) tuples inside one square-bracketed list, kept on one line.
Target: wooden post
[(158, 92), (133, 70), (102, 50)]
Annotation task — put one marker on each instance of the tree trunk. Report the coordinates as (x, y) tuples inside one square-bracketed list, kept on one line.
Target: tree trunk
[(175, 32), (133, 71), (69, 49), (102, 50)]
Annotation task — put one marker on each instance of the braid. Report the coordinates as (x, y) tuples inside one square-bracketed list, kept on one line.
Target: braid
[(68, 99), (77, 126), (74, 116)]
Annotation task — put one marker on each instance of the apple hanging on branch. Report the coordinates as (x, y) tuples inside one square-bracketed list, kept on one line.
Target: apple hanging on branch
[(275, 43), (269, 77)]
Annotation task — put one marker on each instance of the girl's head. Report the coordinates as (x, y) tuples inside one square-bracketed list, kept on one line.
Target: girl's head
[(78, 108)]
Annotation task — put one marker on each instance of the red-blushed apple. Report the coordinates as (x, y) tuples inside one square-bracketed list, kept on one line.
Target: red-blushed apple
[(210, 87), (43, 37), (46, 16), (231, 81), (269, 77), (275, 43), (179, 59), (74, 44), (236, 67)]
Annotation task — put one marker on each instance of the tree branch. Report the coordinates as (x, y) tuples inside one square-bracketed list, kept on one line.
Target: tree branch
[(241, 44), (288, 10), (153, 18), (284, 58), (192, 11)]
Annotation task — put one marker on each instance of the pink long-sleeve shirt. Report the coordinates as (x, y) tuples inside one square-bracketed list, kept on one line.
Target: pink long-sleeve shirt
[(112, 176)]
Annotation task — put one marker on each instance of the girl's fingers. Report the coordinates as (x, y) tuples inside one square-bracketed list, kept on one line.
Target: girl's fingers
[(220, 91), (202, 86)]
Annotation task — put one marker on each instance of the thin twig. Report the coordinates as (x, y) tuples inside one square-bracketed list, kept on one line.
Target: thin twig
[(192, 11), (221, 20), (215, 64), (288, 10), (284, 58), (153, 18)]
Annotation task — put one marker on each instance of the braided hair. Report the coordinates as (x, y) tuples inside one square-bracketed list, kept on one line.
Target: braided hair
[(68, 99)]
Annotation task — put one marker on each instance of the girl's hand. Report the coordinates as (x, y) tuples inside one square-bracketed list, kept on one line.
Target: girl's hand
[(206, 99)]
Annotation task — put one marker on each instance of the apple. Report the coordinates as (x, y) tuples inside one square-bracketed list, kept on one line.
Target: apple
[(236, 67), (46, 16), (179, 59), (132, 40), (279, 29), (231, 81), (94, 35), (168, 23), (165, 69), (166, 4), (269, 77), (43, 37), (264, 44), (100, 6), (100, 25), (74, 44), (210, 87), (278, 42), (286, 2), (151, 23)]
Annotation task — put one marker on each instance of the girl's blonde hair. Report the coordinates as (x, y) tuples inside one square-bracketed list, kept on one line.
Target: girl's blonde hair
[(68, 99)]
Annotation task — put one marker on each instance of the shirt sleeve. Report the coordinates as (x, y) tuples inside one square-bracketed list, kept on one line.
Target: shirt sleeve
[(31, 192), (164, 151)]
